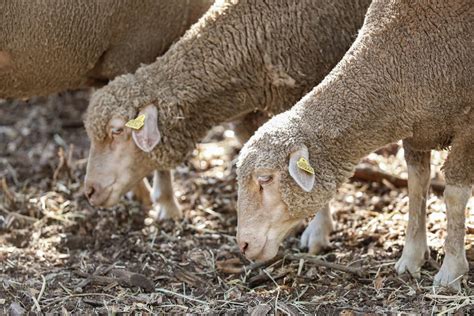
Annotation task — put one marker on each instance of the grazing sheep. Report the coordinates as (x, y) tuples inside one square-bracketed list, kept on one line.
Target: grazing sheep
[(50, 46), (46, 47), (407, 76), (240, 57)]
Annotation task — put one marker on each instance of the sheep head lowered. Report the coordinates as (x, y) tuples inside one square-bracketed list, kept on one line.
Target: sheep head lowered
[(278, 187), (120, 152)]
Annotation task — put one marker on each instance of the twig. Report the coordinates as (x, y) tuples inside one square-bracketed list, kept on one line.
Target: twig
[(20, 216), (43, 287), (122, 277), (8, 194), (335, 266), (62, 164), (55, 300), (264, 277), (181, 295), (233, 265)]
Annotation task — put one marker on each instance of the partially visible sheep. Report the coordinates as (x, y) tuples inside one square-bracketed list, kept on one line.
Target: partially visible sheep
[(408, 76), (50, 46), (240, 57)]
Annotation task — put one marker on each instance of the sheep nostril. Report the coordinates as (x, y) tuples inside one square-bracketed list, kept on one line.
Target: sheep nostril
[(244, 246), (89, 191)]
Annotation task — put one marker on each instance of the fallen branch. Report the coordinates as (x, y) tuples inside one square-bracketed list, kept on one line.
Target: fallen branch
[(19, 216), (231, 266), (367, 173), (264, 277), (122, 277), (360, 272)]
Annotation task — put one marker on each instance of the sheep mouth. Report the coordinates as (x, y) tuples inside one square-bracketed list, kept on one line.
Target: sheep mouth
[(104, 201), (268, 251), (271, 246)]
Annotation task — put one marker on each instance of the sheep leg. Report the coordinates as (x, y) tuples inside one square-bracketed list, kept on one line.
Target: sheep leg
[(455, 263), (416, 250), (162, 195), (142, 192), (316, 235), (459, 171)]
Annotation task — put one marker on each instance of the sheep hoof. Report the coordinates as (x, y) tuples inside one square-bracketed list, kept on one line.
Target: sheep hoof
[(410, 265), (451, 272), (315, 240), (167, 210), (412, 259)]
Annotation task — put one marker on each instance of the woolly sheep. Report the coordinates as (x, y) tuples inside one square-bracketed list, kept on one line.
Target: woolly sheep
[(46, 47), (240, 57), (49, 47), (407, 76)]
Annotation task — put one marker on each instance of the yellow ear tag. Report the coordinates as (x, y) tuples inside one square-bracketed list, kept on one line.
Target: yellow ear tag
[(304, 165), (136, 123)]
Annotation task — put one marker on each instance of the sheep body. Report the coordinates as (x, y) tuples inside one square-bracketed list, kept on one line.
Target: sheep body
[(50, 46), (407, 76), (240, 57)]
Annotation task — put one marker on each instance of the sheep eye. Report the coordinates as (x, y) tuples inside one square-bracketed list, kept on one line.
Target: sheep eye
[(263, 180), (117, 131)]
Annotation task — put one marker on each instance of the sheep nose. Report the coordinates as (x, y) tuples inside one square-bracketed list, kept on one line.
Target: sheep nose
[(89, 191), (93, 192), (243, 247)]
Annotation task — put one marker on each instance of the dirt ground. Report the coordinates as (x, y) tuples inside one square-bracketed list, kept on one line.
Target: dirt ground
[(59, 254)]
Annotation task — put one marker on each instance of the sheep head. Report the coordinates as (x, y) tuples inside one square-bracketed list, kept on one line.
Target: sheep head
[(119, 153), (278, 187)]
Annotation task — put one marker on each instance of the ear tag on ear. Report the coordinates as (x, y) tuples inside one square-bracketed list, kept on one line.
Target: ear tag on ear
[(136, 123), (304, 165)]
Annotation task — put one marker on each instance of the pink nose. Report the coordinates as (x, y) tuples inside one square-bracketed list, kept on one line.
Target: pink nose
[(243, 245), (94, 192)]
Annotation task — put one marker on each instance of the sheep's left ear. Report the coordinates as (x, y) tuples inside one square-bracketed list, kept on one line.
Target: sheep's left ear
[(300, 168), (148, 136)]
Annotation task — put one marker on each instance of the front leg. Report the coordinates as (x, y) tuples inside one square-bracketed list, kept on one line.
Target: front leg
[(416, 250), (316, 236), (162, 196)]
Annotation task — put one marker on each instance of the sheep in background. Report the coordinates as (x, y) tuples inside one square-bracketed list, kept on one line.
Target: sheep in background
[(240, 57), (409, 75), (51, 46)]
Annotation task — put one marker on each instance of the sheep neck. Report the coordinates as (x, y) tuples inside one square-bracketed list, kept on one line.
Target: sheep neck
[(226, 65), (348, 116)]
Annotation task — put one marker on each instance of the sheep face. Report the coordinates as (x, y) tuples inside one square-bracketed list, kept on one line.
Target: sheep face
[(119, 161), (263, 217), (277, 189)]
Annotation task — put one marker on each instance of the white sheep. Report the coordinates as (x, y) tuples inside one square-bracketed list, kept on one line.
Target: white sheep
[(47, 48), (409, 75)]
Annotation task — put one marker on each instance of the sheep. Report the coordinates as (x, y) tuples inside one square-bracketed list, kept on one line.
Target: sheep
[(407, 76), (46, 47), (241, 57), (49, 47)]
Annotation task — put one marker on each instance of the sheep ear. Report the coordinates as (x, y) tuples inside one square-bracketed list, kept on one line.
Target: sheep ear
[(148, 136), (300, 168)]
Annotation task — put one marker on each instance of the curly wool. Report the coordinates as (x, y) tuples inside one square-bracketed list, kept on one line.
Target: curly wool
[(240, 57), (373, 98), (46, 47), (122, 98), (282, 132)]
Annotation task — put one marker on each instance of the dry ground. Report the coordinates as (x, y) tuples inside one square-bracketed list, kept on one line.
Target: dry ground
[(58, 254)]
